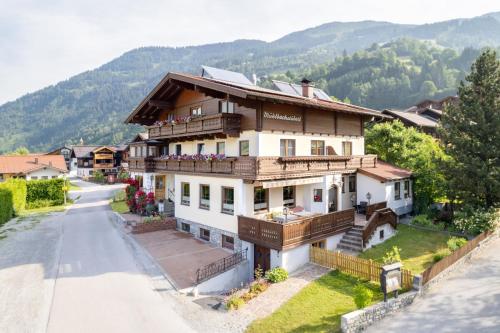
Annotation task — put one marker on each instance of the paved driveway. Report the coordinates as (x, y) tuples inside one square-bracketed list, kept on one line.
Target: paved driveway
[(467, 301), (73, 272)]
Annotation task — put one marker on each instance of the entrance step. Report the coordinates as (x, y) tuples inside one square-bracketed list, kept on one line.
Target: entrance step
[(352, 241)]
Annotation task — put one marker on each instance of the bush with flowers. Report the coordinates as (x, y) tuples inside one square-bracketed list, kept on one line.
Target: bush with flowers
[(130, 190)]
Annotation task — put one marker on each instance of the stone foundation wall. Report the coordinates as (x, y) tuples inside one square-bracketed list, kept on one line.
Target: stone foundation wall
[(215, 234), (359, 320), (141, 228)]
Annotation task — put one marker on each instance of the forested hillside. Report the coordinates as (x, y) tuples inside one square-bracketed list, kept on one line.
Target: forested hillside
[(93, 105)]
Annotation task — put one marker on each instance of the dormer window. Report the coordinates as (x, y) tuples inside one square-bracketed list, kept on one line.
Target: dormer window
[(226, 107)]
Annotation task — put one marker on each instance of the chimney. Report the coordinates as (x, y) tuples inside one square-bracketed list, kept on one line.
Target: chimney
[(50, 163), (36, 160), (307, 88)]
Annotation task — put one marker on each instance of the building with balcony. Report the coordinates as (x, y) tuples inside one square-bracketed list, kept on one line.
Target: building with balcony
[(262, 170), (89, 159)]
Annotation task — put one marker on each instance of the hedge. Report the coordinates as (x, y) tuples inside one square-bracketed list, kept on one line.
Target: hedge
[(6, 204), (45, 190), (19, 191)]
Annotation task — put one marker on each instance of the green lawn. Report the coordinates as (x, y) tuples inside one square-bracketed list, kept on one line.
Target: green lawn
[(119, 206), (316, 308), (417, 247)]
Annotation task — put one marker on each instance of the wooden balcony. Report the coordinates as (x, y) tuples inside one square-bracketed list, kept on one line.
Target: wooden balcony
[(141, 164), (288, 235), (222, 123), (259, 168), (103, 166)]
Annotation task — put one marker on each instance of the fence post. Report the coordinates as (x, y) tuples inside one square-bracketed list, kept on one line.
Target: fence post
[(370, 270)]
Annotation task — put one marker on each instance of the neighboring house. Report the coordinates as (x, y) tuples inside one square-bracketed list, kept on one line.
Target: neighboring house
[(255, 169), (65, 151), (32, 167), (106, 159), (425, 115)]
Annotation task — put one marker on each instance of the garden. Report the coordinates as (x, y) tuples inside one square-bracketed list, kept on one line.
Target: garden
[(19, 197)]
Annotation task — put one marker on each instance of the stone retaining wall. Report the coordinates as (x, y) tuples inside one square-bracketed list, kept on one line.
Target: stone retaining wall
[(359, 320), (144, 227)]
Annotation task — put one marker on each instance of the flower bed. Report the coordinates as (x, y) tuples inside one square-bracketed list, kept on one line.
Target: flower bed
[(195, 157), (154, 223)]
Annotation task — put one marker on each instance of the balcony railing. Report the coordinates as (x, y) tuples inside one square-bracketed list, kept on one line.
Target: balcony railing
[(258, 168), (226, 123), (103, 165), (280, 236)]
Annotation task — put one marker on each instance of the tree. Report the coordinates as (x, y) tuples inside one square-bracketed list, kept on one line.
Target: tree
[(414, 150), (20, 151), (470, 131)]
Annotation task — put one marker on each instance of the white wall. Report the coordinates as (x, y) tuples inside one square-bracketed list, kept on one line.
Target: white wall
[(389, 231), (46, 172), (333, 241), (403, 205), (212, 217)]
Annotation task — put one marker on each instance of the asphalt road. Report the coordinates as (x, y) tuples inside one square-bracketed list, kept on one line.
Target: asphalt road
[(466, 301), (74, 272)]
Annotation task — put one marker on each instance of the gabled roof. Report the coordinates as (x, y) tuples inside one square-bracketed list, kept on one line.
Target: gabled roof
[(296, 89), (104, 147), (172, 83), (413, 118), (83, 151), (23, 164), (385, 172)]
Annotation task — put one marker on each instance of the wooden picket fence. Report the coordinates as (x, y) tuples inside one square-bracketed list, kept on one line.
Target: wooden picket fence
[(362, 268)]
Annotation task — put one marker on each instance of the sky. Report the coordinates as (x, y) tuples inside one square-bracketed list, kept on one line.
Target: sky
[(44, 42)]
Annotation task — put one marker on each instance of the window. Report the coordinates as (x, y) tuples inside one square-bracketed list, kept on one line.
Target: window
[(45, 177), (196, 111), (287, 147), (164, 150), (318, 195), (200, 148), (226, 107), (397, 191), (244, 148), (343, 184), (178, 149), (260, 196), (1, 177), (152, 151), (228, 242), (204, 234), (221, 148), (185, 194), (34, 178), (289, 196), (407, 189), (54, 177), (381, 234), (317, 147), (352, 183), (185, 227), (204, 197), (347, 148), (228, 200), (143, 151), (321, 244), (132, 151)]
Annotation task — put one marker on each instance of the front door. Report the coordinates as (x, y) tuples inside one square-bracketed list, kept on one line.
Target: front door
[(160, 187), (332, 199), (262, 258)]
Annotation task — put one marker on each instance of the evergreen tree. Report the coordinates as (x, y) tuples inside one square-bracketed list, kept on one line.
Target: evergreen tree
[(470, 131)]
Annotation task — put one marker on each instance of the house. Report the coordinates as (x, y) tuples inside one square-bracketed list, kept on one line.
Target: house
[(260, 170), (89, 159), (65, 151), (425, 115), (32, 166)]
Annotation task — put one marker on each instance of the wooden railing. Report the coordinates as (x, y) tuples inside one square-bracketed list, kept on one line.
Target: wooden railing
[(260, 168), (280, 236), (361, 268), (446, 262), (370, 209), (377, 219), (228, 123), (103, 165), (141, 164), (220, 266)]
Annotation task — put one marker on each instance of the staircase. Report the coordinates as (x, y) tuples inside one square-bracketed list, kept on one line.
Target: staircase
[(352, 241)]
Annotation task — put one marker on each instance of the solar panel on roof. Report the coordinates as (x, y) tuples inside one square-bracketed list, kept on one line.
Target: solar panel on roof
[(321, 94), (296, 89), (225, 75)]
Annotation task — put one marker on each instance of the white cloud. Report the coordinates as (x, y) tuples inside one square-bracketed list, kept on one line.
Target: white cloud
[(43, 42)]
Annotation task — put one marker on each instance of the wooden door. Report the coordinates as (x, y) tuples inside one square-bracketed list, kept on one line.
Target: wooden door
[(262, 258), (160, 187)]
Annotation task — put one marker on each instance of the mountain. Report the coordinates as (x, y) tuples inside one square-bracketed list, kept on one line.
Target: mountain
[(92, 105)]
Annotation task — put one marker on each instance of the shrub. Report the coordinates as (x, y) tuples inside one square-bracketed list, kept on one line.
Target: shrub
[(257, 288), (234, 303), (423, 221), (277, 274), (40, 203), (123, 176), (392, 256), (476, 221), (130, 191), (19, 190), (150, 219), (119, 196), (454, 243), (45, 189), (258, 273), (98, 176), (6, 205), (440, 254), (362, 296)]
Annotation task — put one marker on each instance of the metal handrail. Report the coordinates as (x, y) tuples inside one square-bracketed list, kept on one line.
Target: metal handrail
[(220, 266)]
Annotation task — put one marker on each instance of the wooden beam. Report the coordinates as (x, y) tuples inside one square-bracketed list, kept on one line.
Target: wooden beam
[(161, 104)]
